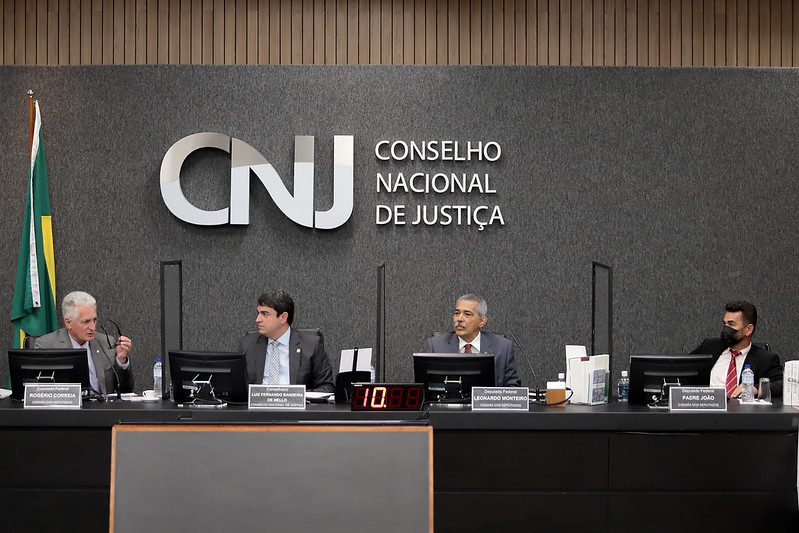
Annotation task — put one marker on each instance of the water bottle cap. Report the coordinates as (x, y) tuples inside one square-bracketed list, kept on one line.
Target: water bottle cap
[(747, 366), (158, 360)]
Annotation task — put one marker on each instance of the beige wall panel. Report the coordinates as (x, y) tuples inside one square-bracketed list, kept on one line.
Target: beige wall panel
[(420, 32)]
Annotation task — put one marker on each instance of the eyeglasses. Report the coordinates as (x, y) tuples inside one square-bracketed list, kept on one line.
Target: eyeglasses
[(108, 337)]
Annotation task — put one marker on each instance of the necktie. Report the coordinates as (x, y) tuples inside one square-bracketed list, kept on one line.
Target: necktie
[(467, 348), (94, 379), (732, 373), (273, 374)]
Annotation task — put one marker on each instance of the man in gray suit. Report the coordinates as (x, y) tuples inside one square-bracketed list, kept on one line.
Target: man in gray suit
[(471, 314), (107, 358), (280, 355)]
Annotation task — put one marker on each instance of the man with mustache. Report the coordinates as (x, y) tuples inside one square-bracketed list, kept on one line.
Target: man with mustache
[(471, 314), (734, 349)]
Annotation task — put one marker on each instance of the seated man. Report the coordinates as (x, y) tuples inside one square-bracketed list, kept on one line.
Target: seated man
[(280, 355), (470, 316), (734, 349), (106, 356)]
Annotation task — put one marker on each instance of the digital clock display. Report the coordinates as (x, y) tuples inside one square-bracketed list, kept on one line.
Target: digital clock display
[(387, 397)]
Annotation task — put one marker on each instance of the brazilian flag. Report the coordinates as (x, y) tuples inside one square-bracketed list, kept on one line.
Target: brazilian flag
[(34, 309)]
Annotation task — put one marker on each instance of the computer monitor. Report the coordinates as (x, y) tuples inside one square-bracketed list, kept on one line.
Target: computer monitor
[(195, 374), (450, 377), (648, 373), (47, 366)]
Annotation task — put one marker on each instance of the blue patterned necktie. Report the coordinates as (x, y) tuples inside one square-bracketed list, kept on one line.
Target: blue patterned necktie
[(273, 374)]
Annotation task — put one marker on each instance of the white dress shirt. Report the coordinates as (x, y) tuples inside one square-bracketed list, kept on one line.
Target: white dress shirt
[(475, 344), (718, 375)]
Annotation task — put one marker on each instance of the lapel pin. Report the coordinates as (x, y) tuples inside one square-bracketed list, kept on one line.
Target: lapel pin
[(298, 350)]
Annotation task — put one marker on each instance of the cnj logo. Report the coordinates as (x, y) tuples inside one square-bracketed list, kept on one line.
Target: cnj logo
[(299, 206)]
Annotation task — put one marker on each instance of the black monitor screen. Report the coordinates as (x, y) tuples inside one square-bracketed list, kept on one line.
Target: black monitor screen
[(225, 371), (648, 373), (47, 366), (452, 376)]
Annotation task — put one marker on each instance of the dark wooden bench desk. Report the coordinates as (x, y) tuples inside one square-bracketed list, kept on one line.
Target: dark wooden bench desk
[(603, 468)]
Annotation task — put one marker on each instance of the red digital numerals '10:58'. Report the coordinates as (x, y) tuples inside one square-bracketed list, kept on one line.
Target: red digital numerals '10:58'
[(380, 397)]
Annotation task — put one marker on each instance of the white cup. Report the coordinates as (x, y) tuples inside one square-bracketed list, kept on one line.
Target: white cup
[(149, 393)]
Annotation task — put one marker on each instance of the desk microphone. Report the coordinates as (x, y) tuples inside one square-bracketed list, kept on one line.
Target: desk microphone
[(117, 382), (524, 356)]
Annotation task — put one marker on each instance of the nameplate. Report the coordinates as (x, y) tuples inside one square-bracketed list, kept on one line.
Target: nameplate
[(697, 399), (500, 399), (52, 396), (277, 397)]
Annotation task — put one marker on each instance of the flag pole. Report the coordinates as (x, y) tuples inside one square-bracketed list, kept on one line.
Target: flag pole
[(31, 118)]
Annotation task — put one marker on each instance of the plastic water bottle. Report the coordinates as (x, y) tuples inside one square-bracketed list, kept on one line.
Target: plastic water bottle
[(372, 373), (157, 378), (624, 387), (562, 379), (747, 384)]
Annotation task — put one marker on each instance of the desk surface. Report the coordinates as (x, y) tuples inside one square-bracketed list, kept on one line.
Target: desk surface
[(607, 417), (641, 463)]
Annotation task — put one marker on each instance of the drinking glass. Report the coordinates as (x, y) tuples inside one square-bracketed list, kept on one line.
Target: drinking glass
[(764, 390)]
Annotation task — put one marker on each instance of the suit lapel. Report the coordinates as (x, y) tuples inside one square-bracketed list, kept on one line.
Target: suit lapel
[(261, 344), (485, 343), (453, 343), (751, 356), (63, 338), (487, 347), (295, 352)]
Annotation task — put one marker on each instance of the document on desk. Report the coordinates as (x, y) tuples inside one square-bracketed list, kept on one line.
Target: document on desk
[(4, 393), (575, 379), (585, 375), (319, 397), (362, 364)]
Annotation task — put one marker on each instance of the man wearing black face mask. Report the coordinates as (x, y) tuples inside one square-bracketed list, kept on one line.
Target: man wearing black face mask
[(733, 349)]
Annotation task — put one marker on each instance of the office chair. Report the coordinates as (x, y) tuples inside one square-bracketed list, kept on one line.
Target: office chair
[(29, 341)]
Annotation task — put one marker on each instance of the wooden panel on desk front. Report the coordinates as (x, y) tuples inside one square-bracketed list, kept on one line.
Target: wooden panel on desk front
[(481, 512), (697, 512), (63, 457), (520, 460), (38, 510), (700, 461)]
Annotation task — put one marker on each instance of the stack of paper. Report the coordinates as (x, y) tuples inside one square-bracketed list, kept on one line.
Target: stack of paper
[(790, 387), (585, 375)]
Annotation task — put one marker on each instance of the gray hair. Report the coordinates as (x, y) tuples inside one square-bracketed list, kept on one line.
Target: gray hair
[(482, 306), (75, 299)]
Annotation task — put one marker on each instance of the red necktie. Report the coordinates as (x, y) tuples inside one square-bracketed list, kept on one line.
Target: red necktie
[(732, 373), (467, 348)]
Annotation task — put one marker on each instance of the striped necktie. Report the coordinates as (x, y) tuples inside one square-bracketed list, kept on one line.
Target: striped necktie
[(732, 373)]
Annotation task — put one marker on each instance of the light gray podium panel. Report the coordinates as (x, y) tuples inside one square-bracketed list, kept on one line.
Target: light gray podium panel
[(271, 478)]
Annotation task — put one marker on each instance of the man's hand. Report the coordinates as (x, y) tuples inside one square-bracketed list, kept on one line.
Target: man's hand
[(737, 392), (124, 345)]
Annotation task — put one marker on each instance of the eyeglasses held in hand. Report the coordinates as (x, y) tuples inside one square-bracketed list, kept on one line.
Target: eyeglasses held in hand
[(108, 337)]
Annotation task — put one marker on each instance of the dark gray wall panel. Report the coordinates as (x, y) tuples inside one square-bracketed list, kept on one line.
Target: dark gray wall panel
[(681, 179)]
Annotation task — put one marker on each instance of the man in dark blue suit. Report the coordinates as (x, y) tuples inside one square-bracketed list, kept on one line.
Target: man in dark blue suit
[(471, 314), (278, 354)]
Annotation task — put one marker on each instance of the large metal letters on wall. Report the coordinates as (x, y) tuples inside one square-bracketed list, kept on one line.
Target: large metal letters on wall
[(299, 206)]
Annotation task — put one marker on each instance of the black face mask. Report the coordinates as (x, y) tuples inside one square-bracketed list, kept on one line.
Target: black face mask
[(729, 336)]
